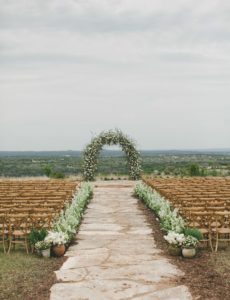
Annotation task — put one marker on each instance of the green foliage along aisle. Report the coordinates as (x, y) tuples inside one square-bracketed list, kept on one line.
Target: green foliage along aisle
[(169, 219), (65, 226), (178, 234), (69, 219), (111, 137)]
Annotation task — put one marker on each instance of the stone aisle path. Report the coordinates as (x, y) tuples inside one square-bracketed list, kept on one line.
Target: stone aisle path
[(115, 256)]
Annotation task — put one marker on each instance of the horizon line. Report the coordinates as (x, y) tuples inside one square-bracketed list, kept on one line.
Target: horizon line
[(157, 149)]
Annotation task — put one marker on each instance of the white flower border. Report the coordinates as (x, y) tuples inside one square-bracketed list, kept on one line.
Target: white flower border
[(111, 137), (169, 219), (69, 218)]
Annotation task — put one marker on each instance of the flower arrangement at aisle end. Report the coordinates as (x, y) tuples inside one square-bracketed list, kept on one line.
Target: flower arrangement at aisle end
[(181, 244), (42, 245), (189, 246), (175, 239), (190, 242), (56, 238), (43, 248), (57, 241)]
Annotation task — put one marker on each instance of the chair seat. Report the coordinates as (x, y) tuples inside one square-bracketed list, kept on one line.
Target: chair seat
[(221, 230), (203, 230), (20, 232)]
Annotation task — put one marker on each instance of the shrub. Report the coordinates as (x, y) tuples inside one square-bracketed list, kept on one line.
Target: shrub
[(47, 170), (193, 232), (37, 235), (52, 174), (57, 175), (194, 170)]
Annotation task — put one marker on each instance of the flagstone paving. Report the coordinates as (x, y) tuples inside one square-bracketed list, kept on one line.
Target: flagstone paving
[(115, 256)]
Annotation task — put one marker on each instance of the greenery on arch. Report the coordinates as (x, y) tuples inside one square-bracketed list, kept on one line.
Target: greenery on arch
[(111, 137)]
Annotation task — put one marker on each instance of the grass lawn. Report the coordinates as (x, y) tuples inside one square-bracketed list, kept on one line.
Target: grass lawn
[(26, 276)]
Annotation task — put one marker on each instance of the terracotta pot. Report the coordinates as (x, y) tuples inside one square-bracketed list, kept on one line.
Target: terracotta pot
[(189, 252), (174, 251), (58, 250)]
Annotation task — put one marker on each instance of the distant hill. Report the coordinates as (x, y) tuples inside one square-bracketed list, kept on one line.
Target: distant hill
[(113, 153), (39, 153), (186, 152)]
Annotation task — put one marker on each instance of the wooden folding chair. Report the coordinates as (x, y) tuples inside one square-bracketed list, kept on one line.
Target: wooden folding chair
[(42, 220), (3, 232), (202, 221), (19, 228), (221, 232)]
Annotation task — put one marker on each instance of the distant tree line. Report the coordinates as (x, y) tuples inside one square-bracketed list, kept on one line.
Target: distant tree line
[(157, 164)]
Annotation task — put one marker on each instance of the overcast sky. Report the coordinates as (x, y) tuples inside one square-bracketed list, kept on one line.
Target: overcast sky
[(157, 70)]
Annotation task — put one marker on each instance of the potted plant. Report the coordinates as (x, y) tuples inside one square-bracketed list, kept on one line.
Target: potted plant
[(35, 236), (175, 241), (189, 246), (43, 247), (57, 241)]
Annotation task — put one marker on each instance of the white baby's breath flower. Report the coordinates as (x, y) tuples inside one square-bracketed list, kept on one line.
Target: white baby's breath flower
[(56, 238), (111, 138), (174, 238)]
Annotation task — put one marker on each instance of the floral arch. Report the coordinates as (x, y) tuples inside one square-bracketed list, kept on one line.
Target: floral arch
[(111, 137)]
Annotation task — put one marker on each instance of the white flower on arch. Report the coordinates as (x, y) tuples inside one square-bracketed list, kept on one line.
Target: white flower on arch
[(111, 137)]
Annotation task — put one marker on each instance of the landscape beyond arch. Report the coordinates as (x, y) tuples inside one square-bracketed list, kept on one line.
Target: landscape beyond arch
[(111, 137)]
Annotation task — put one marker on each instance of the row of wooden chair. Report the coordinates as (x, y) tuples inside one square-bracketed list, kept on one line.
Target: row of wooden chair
[(34, 204), (27, 204), (27, 187), (36, 200), (189, 199), (198, 183), (14, 229), (32, 210)]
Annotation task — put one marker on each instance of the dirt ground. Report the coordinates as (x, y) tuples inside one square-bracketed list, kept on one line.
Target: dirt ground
[(207, 275)]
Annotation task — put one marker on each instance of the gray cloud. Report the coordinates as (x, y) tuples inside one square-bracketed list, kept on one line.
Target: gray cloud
[(159, 70), (38, 58)]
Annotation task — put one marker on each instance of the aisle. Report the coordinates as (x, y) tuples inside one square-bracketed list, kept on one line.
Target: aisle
[(115, 256)]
